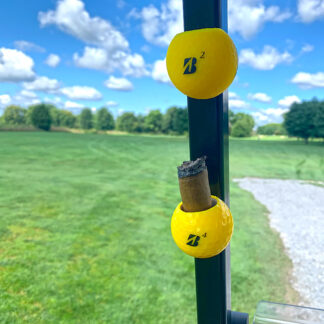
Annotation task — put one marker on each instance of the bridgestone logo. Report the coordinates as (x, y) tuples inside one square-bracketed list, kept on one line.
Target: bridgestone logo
[(189, 65), (193, 240)]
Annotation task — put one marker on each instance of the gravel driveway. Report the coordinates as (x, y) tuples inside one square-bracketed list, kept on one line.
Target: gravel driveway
[(296, 211)]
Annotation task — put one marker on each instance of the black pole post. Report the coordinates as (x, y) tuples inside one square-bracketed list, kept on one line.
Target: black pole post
[(208, 135)]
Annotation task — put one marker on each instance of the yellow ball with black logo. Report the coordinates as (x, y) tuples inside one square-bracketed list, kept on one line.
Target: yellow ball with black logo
[(202, 63), (203, 234)]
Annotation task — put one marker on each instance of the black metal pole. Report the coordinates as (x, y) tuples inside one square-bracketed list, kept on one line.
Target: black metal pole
[(208, 135)]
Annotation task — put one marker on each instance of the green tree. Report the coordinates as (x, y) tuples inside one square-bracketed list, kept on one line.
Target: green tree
[(243, 116), (62, 117), (181, 122), (14, 115), (55, 115), (231, 116), (241, 129), (67, 119), (319, 120), (271, 129), (153, 121), (86, 119), (127, 122), (300, 120), (140, 124), (175, 120), (104, 120), (168, 117), (242, 125), (40, 116)]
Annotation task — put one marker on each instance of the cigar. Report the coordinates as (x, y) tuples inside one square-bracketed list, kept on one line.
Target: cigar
[(194, 185)]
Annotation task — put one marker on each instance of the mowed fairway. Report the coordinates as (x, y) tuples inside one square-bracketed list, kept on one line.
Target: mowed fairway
[(85, 228)]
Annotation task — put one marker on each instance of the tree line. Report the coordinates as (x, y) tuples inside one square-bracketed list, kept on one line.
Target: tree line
[(303, 120), (174, 121), (44, 116)]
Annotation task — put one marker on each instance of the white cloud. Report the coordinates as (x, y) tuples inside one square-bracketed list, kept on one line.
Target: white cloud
[(71, 17), (28, 46), (42, 83), (120, 112), (288, 101), (258, 14), (269, 115), (260, 118), (307, 48), (101, 59), (111, 51), (310, 10), (57, 101), (234, 101), (94, 58), (275, 111), (268, 59), (260, 96), (120, 84), (5, 100), (159, 72), (233, 95), (15, 66), (308, 80), (147, 110), (159, 26), (81, 93), (21, 100), (32, 102), (237, 103), (28, 94), (111, 103), (53, 60), (72, 105), (132, 65)]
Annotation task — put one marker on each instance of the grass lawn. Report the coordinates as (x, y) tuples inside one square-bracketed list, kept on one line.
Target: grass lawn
[(85, 228)]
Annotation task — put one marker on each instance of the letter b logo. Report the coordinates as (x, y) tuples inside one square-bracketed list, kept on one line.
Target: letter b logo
[(189, 65), (193, 240)]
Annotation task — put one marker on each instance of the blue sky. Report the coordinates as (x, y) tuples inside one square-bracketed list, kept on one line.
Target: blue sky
[(111, 53)]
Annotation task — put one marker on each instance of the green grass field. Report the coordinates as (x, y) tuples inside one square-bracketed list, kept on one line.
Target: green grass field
[(85, 228)]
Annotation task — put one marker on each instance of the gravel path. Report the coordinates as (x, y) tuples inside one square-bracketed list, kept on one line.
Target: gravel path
[(297, 213)]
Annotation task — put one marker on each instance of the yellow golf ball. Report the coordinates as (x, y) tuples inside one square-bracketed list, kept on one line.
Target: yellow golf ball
[(202, 63), (202, 234)]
